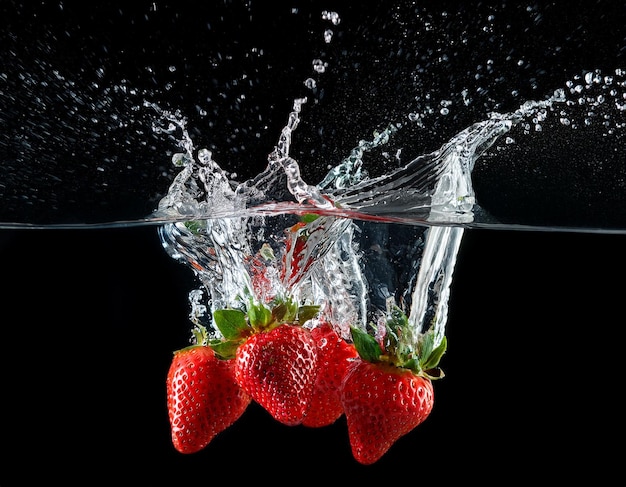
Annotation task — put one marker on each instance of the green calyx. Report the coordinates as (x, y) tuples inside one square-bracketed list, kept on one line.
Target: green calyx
[(399, 347), (195, 226), (237, 325), (199, 339)]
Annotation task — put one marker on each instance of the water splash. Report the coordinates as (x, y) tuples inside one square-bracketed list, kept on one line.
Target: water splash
[(252, 242), (355, 261)]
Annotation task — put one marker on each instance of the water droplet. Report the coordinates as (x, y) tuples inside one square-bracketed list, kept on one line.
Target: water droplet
[(319, 66), (559, 95), (331, 16), (179, 159), (204, 156)]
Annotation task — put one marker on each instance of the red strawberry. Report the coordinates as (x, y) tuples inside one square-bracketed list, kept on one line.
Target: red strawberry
[(203, 398), (335, 356), (388, 391), (277, 368), (382, 402), (306, 242), (294, 263)]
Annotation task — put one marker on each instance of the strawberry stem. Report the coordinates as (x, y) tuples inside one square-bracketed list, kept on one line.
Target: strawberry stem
[(200, 335), (399, 347), (237, 325)]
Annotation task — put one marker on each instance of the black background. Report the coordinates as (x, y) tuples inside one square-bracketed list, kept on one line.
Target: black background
[(534, 384), (535, 365), (77, 145)]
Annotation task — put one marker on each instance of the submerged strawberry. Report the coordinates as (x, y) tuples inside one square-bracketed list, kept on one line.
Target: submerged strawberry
[(388, 391), (276, 359), (383, 402), (277, 369), (203, 398), (335, 356), (305, 243)]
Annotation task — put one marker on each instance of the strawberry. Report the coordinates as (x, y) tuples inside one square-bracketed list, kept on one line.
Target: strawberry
[(335, 356), (382, 403), (388, 391), (306, 242), (278, 368), (203, 398), (276, 359), (296, 260)]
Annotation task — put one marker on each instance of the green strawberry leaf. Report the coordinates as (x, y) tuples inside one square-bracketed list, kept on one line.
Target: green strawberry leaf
[(230, 322), (425, 345), (308, 312), (309, 217), (366, 345), (398, 341), (225, 349), (431, 361), (195, 226), (285, 311), (259, 315), (413, 365), (200, 335), (279, 312), (391, 340), (434, 374)]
